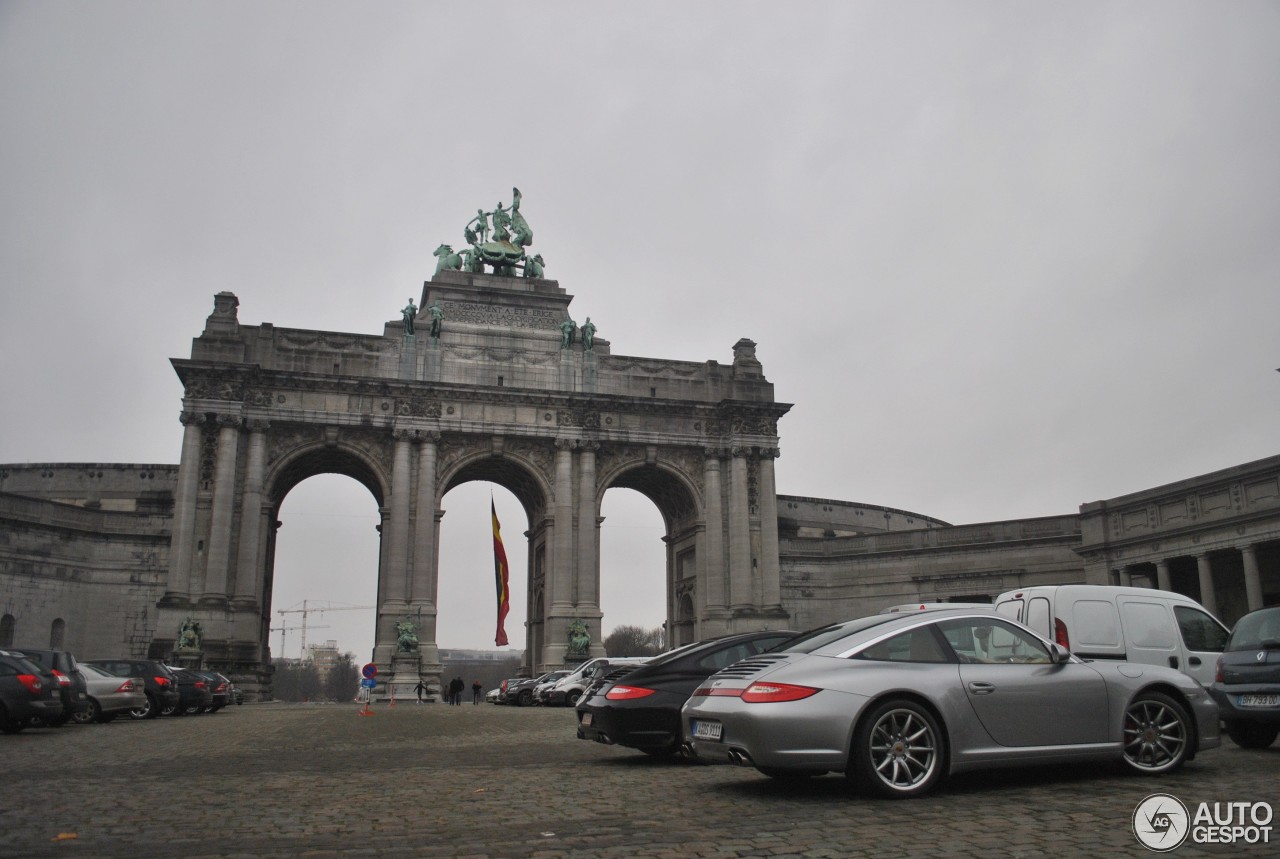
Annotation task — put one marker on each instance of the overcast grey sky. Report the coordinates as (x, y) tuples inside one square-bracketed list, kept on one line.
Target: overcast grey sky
[(1004, 257)]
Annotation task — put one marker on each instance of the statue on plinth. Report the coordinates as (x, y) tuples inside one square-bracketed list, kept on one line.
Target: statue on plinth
[(579, 638), (504, 251), (189, 634), (406, 636), (409, 313)]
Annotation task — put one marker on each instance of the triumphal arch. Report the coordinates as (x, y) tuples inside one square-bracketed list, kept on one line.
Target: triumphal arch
[(488, 378)]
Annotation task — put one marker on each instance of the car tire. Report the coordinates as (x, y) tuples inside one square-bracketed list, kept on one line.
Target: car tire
[(92, 714), (148, 710), (524, 699), (571, 697), (899, 750), (1156, 735), (195, 710), (1250, 735), (171, 710)]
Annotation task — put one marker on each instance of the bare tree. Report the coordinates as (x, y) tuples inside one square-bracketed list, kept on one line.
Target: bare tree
[(633, 641)]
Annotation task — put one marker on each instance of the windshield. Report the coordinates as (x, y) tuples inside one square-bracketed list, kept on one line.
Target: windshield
[(822, 636), (1257, 631)]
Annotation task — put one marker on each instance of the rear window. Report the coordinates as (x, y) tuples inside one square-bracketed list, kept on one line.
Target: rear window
[(1256, 631)]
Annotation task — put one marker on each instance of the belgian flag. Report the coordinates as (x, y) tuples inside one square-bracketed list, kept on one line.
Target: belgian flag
[(500, 577)]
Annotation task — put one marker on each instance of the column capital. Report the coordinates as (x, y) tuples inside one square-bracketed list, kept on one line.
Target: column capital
[(189, 418), (228, 421), (258, 424)]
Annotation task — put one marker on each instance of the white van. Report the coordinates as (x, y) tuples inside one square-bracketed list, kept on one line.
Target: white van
[(1125, 624)]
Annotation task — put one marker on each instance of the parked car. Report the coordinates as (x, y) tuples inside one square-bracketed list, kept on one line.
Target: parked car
[(194, 694), (75, 694), (110, 695), (1247, 685), (27, 692), (220, 691), (159, 686), (640, 707), (1123, 624), (568, 689), (899, 701), (519, 690)]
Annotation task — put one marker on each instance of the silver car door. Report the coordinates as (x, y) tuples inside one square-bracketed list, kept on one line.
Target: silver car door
[(1019, 695)]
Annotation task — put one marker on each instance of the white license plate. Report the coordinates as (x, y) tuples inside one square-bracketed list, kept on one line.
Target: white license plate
[(707, 730), (1259, 701), (586, 719)]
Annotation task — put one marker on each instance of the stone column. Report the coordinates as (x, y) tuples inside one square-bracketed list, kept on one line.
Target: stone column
[(422, 587), (1164, 581), (184, 509), (711, 554), (740, 573), (1252, 577), (561, 573), (1126, 579), (588, 576), (397, 572), (220, 517), (249, 560), (1208, 598), (770, 573)]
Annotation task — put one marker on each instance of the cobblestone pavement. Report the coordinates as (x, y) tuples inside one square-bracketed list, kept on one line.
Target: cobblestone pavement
[(321, 781)]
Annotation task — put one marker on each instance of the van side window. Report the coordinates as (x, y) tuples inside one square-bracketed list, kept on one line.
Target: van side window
[(1199, 630), (1096, 624), (1147, 624)]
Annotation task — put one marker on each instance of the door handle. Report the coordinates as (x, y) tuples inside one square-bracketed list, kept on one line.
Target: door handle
[(982, 688)]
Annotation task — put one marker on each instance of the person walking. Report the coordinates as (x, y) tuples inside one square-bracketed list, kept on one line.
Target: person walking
[(477, 692), (420, 688)]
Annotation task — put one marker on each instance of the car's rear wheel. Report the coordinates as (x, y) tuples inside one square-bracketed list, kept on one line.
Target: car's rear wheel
[(898, 750), (571, 697), (1249, 735), (148, 710), (525, 698), (171, 710), (195, 709), (1156, 734), (92, 714)]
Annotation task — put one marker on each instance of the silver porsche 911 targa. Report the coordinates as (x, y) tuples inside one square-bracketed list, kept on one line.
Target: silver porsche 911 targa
[(897, 701)]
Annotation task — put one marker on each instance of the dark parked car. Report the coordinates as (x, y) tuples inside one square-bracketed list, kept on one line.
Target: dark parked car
[(1247, 685), (194, 694), (640, 707), (27, 691), (75, 688), (519, 691), (219, 688), (162, 690)]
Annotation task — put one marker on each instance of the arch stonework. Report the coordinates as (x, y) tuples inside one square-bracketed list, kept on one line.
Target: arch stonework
[(497, 396)]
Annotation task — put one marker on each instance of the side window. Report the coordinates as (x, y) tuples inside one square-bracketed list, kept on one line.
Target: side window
[(1199, 630), (916, 645), (1096, 624), (990, 641), (1146, 624), (724, 658)]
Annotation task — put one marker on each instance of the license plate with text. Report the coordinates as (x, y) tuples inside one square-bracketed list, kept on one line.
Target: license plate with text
[(707, 730), (1260, 700)]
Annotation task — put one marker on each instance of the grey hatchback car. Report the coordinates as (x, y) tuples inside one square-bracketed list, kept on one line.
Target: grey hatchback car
[(1247, 683)]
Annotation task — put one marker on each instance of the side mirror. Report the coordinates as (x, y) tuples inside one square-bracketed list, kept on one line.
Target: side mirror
[(1058, 654)]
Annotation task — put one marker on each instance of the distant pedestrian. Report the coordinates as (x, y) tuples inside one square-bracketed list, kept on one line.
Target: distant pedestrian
[(420, 688), (456, 685), (477, 692)]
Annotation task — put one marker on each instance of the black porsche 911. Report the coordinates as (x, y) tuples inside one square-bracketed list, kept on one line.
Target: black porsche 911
[(640, 708)]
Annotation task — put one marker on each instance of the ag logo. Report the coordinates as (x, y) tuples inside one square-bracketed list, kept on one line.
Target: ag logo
[(1161, 822)]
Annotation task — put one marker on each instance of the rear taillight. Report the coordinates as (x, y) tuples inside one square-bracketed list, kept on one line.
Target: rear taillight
[(1060, 633), (63, 680), (32, 682), (162, 681), (627, 693), (1219, 676), (220, 688), (773, 693), (200, 684), (126, 686)]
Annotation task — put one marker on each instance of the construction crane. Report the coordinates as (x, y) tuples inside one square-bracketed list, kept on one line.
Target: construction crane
[(311, 607), (283, 630)]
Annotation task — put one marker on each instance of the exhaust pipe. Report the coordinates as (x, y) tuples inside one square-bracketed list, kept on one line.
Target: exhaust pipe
[(604, 739), (737, 757)]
